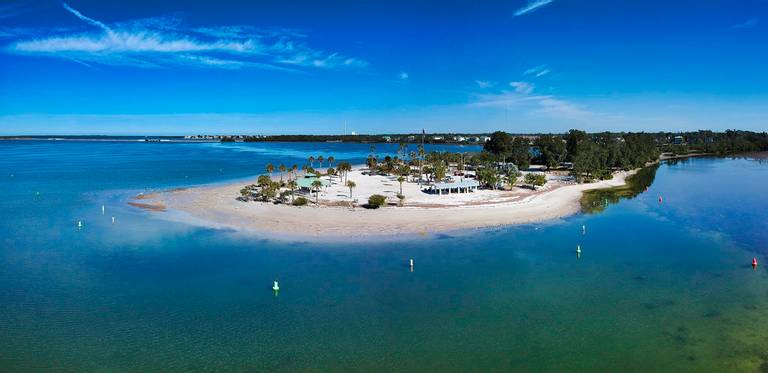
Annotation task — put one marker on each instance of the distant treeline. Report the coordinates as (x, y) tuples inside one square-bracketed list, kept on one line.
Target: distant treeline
[(720, 143), (597, 155), (432, 138)]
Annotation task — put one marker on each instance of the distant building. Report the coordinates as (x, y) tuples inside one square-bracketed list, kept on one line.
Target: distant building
[(485, 138), (678, 140)]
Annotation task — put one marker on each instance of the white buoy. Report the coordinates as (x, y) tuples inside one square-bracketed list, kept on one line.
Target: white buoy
[(102, 209), (275, 286), (583, 229), (79, 224), (411, 264), (113, 220), (578, 249)]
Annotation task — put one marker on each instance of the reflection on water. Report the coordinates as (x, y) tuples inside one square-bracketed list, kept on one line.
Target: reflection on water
[(597, 200)]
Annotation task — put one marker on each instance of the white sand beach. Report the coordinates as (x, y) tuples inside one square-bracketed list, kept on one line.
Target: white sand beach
[(218, 207)]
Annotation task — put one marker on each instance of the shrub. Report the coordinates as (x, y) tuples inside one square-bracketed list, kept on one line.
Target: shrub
[(375, 201), (535, 179), (301, 201)]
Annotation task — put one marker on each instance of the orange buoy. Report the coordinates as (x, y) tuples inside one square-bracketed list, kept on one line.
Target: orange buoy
[(754, 262)]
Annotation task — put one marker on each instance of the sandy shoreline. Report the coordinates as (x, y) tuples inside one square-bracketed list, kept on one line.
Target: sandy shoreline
[(217, 207)]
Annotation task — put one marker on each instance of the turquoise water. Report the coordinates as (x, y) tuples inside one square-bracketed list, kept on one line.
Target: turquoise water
[(658, 287)]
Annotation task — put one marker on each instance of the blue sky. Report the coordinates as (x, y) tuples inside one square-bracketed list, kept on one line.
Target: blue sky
[(146, 67)]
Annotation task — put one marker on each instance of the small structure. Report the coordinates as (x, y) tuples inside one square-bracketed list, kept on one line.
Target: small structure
[(464, 186), (305, 183)]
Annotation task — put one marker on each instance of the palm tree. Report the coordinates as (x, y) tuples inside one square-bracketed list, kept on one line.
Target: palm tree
[(371, 162), (282, 169), (316, 186), (270, 169), (331, 159), (402, 149), (294, 168), (404, 170), (311, 160), (421, 161), (401, 180), (351, 185), (304, 169), (330, 171), (320, 159), (292, 184), (344, 167)]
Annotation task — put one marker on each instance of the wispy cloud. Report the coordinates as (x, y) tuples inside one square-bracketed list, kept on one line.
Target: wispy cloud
[(532, 6), (750, 23), (165, 42), (523, 97), (537, 71), (484, 83), (522, 87)]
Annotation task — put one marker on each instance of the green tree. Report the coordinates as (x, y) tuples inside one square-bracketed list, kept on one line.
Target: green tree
[(292, 185), (344, 168), (282, 169), (421, 155), (245, 193), (400, 180), (263, 180), (351, 185), (488, 177), (270, 169), (500, 144), (511, 178), (331, 159), (371, 163), (553, 150), (316, 185), (573, 138), (311, 160), (520, 152), (439, 170)]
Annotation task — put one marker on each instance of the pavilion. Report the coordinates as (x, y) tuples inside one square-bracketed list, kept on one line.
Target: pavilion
[(305, 182), (464, 186)]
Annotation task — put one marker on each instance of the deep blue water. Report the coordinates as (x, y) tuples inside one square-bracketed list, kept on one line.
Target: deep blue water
[(658, 287)]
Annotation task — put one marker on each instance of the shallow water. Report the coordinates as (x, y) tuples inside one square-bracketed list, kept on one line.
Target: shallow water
[(658, 287)]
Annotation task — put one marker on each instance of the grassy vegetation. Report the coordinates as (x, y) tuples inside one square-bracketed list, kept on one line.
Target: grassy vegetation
[(595, 201)]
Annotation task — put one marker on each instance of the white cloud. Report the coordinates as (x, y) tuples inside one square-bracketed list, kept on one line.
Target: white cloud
[(164, 42), (532, 6), (537, 71), (533, 104), (86, 19), (484, 83), (403, 75), (522, 87), (750, 23)]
